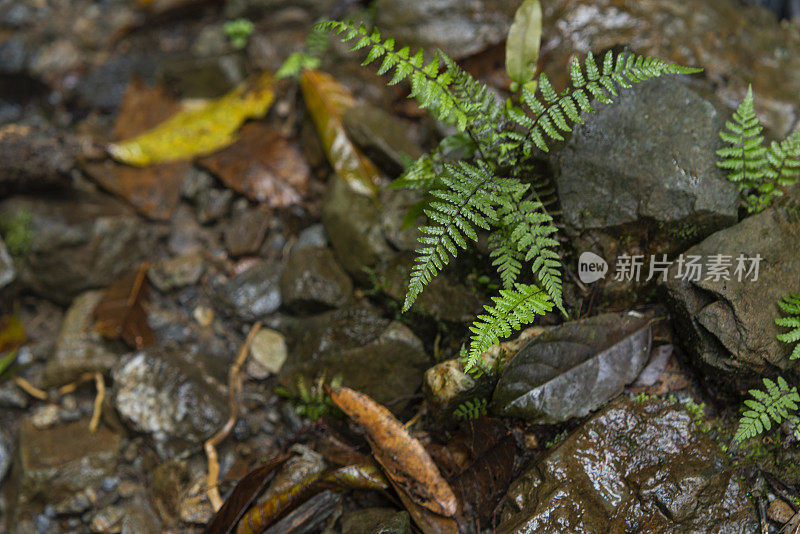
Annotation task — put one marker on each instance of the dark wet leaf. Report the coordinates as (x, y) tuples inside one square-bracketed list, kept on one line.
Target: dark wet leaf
[(574, 368), (309, 516), (406, 462), (327, 101), (427, 521), (12, 333), (362, 477), (337, 452), (262, 165), (120, 314), (484, 483), (242, 497)]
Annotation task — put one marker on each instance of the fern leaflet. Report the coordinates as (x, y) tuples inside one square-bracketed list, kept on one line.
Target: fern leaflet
[(512, 309), (777, 402), (791, 305), (470, 410)]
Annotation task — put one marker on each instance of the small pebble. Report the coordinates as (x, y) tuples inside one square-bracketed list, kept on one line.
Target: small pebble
[(269, 350), (203, 315), (779, 511)]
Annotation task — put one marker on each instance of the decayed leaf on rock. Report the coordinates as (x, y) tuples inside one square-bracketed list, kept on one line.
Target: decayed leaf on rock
[(406, 462), (198, 131), (327, 101), (120, 313)]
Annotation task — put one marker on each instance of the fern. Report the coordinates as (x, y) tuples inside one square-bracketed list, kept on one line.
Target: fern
[(471, 410), (776, 403), (758, 171), (493, 187), (512, 309), (791, 305)]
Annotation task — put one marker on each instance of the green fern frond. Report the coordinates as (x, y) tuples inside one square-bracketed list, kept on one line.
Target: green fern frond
[(471, 409), (745, 157), (512, 309), (791, 306), (465, 201), (776, 403), (507, 258), (553, 113)]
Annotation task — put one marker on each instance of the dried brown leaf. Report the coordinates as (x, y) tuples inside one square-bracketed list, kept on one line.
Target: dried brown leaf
[(405, 460), (120, 313)]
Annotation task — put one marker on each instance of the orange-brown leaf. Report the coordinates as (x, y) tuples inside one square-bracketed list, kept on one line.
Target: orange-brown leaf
[(327, 100), (404, 459), (120, 313)]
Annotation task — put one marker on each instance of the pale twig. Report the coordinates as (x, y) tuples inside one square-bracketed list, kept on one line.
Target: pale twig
[(30, 389), (234, 388), (98, 401)]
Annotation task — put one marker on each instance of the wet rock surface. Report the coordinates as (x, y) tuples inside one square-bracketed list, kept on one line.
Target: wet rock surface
[(313, 281), (34, 159), (255, 292), (168, 398), (358, 345), (729, 325), (641, 466)]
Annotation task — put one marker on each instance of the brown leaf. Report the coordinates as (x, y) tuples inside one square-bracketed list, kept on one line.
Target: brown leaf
[(262, 165), (154, 191), (404, 459), (308, 517), (242, 496), (120, 313), (427, 521), (482, 485), (327, 100)]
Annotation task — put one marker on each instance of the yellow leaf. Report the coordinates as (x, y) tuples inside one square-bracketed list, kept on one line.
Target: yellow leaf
[(198, 131), (327, 101)]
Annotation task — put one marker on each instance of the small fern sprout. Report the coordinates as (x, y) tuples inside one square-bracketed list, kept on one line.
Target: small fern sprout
[(777, 402), (791, 306), (471, 409)]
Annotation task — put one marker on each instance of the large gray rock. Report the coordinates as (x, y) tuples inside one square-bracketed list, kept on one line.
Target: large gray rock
[(72, 250), (574, 368), (378, 357), (633, 467), (728, 326), (34, 159), (459, 27), (79, 348), (161, 394), (640, 176)]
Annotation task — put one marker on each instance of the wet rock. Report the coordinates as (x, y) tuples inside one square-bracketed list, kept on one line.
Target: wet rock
[(735, 45), (108, 520), (384, 139), (446, 385), (378, 357), (633, 467), (161, 394), (728, 326), (574, 368), (140, 518), (312, 281), (401, 233), (257, 8), (34, 159), (352, 222), (268, 350), (61, 462), (313, 236), (196, 182), (7, 270), (79, 348), (377, 521), (75, 250), (177, 272), (460, 29), (255, 293), (213, 204), (245, 231), (7, 442), (185, 235), (444, 298), (640, 176), (201, 77)]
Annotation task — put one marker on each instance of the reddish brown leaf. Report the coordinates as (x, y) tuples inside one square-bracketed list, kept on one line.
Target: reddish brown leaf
[(337, 452), (404, 459), (327, 100), (427, 521), (120, 313), (242, 496), (261, 516), (482, 485), (262, 165), (154, 191)]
